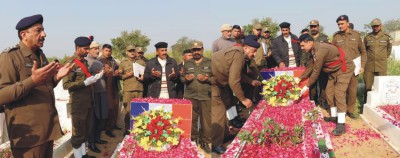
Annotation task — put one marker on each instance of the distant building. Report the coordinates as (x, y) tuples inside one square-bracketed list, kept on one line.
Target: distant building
[(395, 37)]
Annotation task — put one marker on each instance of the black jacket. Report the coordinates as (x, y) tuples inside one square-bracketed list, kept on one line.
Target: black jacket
[(280, 50), (154, 84)]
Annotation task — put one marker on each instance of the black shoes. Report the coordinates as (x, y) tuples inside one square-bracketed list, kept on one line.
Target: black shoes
[(87, 156), (352, 115), (94, 148), (238, 122), (126, 132), (218, 149), (117, 128), (339, 130), (330, 119), (101, 141), (205, 147), (110, 134)]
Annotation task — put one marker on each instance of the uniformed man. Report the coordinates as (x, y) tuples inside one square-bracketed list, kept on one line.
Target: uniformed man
[(112, 77), (100, 106), (140, 54), (305, 31), (262, 52), (225, 41), (237, 34), (263, 58), (26, 88), (197, 78), (350, 41), (339, 66), (227, 68), (161, 74), (132, 85), (317, 91), (180, 87), (378, 47), (78, 83)]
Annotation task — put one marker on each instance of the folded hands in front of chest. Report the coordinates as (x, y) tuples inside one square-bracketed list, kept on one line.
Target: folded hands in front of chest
[(92, 79), (53, 69)]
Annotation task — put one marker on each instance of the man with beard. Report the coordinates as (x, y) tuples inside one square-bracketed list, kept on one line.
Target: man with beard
[(237, 34), (161, 74), (140, 54), (227, 66), (350, 41), (378, 47), (225, 41), (112, 76), (180, 87), (100, 110), (78, 83), (132, 85), (317, 91), (26, 88), (339, 66), (285, 48), (197, 78)]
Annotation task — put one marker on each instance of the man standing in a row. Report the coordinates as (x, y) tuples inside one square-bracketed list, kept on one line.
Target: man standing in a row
[(161, 74), (197, 77), (132, 85), (180, 87), (227, 66), (78, 83), (350, 41), (285, 48), (26, 89), (112, 77), (378, 47)]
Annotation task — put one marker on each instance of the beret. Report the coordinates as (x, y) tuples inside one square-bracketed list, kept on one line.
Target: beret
[(304, 30), (305, 37), (161, 45), (250, 41), (27, 22), (342, 17), (284, 25), (253, 37), (82, 41), (186, 51)]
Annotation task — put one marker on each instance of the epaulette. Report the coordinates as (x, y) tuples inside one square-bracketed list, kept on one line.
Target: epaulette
[(9, 49), (70, 59), (337, 32)]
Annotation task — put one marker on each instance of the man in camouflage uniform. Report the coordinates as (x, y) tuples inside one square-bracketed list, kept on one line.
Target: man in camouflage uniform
[(378, 47)]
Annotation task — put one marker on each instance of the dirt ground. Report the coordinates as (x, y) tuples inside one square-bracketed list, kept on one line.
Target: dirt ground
[(360, 141)]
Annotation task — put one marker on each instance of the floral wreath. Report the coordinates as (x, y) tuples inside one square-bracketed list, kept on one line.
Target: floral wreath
[(281, 90)]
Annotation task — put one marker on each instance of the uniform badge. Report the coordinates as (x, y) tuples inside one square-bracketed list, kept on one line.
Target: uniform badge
[(352, 39), (30, 65)]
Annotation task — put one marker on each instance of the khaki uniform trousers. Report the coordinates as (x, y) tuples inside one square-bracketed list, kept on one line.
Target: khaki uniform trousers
[(41, 151), (126, 102), (336, 88)]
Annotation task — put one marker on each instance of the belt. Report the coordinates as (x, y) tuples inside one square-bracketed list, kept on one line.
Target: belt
[(341, 60)]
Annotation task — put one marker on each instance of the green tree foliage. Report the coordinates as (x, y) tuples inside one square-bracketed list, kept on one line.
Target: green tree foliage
[(392, 25), (265, 22), (135, 38), (177, 49)]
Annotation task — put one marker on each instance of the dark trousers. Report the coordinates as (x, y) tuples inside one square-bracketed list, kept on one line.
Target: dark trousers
[(41, 151), (97, 125)]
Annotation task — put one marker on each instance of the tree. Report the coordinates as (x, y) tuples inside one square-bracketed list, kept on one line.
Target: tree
[(180, 45), (391, 25), (135, 38), (273, 27)]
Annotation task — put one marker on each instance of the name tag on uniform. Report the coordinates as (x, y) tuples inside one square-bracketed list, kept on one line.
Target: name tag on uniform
[(191, 68), (29, 65), (370, 41), (352, 39), (339, 41), (205, 68), (383, 41)]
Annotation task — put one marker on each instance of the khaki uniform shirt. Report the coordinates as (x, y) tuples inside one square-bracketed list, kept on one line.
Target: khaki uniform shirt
[(227, 68), (352, 45), (131, 83), (196, 89), (378, 48), (30, 110), (260, 58), (321, 54), (305, 57)]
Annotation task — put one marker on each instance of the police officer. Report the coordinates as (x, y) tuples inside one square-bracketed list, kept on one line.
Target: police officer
[(339, 66), (197, 78), (350, 41), (378, 47), (180, 87), (227, 68), (26, 89), (78, 83), (132, 85)]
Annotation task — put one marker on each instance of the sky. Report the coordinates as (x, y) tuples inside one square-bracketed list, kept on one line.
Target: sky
[(169, 20)]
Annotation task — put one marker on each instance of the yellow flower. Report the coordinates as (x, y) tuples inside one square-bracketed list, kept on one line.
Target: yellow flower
[(159, 143), (175, 141), (169, 139), (138, 123), (272, 101), (177, 130), (144, 143), (158, 149)]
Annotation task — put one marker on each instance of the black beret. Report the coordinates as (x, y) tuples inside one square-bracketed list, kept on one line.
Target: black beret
[(161, 45), (27, 22), (305, 37), (82, 41), (250, 41), (186, 51), (304, 30), (342, 17), (284, 25)]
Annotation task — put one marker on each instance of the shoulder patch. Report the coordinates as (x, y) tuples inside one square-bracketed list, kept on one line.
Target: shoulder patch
[(9, 49)]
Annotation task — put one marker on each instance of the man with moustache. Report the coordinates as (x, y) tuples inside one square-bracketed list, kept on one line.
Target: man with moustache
[(227, 68), (26, 88), (180, 87), (78, 83), (350, 41), (112, 76), (237, 34), (132, 85), (100, 106), (225, 41), (197, 78), (285, 48), (161, 74)]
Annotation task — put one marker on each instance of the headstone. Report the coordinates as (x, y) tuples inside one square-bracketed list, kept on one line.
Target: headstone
[(395, 54), (388, 90)]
